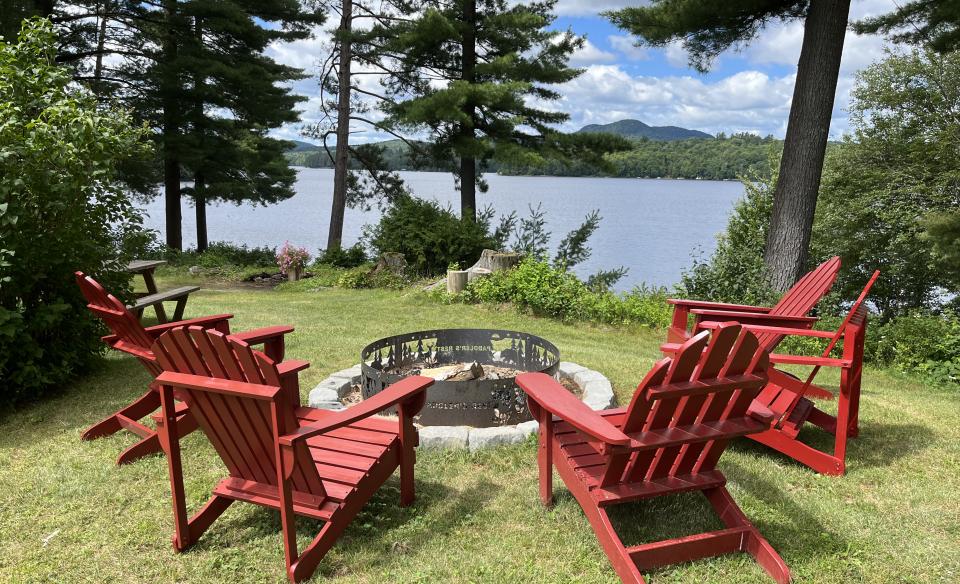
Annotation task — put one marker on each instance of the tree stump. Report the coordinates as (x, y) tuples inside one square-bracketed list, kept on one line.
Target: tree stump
[(391, 261), (456, 281), (503, 261)]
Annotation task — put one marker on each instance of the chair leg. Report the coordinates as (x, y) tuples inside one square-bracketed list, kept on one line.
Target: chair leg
[(202, 520), (625, 567), (545, 457), (753, 543), (307, 562), (821, 462), (186, 423), (143, 406)]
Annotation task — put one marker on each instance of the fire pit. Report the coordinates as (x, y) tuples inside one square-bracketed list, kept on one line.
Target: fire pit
[(474, 368)]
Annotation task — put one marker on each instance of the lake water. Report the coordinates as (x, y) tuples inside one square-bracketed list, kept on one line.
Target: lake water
[(652, 227)]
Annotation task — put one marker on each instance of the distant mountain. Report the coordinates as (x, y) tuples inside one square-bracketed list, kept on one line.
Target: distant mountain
[(637, 129), (300, 146)]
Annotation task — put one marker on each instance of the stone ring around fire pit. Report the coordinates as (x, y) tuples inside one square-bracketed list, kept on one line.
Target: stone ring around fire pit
[(596, 388)]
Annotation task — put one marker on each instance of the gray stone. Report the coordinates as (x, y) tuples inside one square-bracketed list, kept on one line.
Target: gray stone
[(323, 394), (528, 428), (444, 436), (351, 372), (497, 436), (582, 377), (568, 369), (598, 394), (195, 270)]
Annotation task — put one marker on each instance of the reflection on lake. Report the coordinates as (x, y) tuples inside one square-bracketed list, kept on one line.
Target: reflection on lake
[(650, 226)]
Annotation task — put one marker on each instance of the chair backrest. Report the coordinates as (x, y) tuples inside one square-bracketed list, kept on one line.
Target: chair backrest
[(128, 334), (802, 297), (242, 421), (807, 292), (693, 402)]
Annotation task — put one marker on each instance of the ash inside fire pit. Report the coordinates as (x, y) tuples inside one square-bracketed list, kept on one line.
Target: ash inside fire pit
[(474, 369)]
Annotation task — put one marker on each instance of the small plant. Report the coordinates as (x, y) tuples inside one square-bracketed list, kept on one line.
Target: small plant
[(292, 260), (350, 257), (453, 266)]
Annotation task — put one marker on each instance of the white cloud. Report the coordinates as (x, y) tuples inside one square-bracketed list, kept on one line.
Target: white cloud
[(590, 7), (624, 44), (590, 54), (746, 101)]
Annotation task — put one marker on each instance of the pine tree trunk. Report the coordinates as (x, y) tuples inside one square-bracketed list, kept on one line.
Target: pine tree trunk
[(101, 41), (795, 197), (342, 156), (468, 166), (171, 130), (200, 201)]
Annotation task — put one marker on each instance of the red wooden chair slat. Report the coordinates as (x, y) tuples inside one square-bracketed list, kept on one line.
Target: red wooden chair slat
[(298, 460), (796, 302), (129, 336), (789, 397), (667, 441)]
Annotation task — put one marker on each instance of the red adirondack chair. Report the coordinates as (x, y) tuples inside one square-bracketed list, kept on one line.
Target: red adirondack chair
[(302, 461), (130, 337), (790, 312), (786, 395), (667, 441)]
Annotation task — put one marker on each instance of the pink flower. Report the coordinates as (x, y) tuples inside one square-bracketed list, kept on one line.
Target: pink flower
[(291, 258)]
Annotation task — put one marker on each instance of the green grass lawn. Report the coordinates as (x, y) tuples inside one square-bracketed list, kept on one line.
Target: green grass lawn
[(68, 514)]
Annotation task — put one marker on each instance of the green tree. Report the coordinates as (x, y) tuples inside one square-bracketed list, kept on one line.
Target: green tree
[(196, 71), (709, 28), (933, 23), (897, 173), (360, 173), (62, 209), (472, 70)]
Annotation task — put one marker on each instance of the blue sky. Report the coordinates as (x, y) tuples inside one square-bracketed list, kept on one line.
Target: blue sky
[(747, 90)]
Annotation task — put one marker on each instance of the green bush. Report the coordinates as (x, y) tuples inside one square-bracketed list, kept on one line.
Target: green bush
[(343, 258), (919, 342), (62, 208), (429, 236), (219, 254), (546, 290)]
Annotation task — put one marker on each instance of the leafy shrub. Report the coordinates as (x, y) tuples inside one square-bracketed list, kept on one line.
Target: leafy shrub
[(429, 236), (343, 258), (219, 254), (357, 279), (62, 209), (924, 343), (736, 272), (551, 291)]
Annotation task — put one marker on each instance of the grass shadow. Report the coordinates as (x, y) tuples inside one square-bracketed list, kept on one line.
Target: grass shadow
[(437, 510)]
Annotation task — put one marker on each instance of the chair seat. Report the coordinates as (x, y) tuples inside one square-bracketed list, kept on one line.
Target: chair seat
[(345, 458), (588, 464)]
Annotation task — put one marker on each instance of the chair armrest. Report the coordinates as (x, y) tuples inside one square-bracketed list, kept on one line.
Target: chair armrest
[(400, 391), (204, 321), (782, 359), (777, 330), (761, 413), (753, 318), (558, 400), (292, 367), (261, 335), (227, 386), (717, 305)]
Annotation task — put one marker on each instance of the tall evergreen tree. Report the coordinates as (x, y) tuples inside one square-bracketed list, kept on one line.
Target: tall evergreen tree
[(707, 29), (195, 71), (933, 23), (345, 104), (471, 71)]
